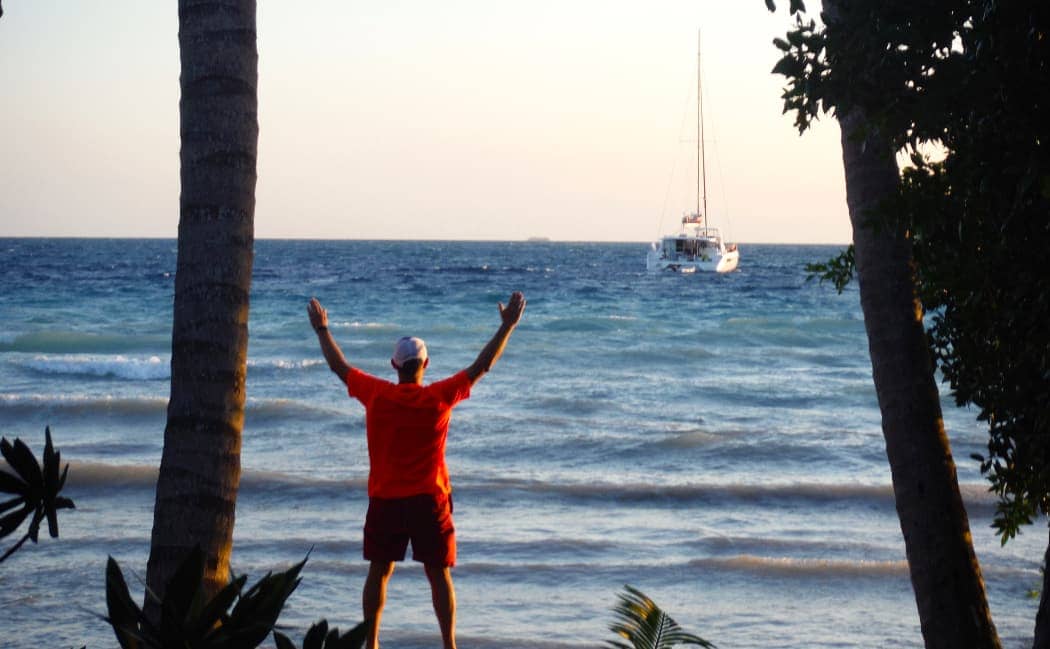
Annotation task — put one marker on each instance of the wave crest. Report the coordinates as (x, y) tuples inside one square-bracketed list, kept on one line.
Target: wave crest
[(151, 368)]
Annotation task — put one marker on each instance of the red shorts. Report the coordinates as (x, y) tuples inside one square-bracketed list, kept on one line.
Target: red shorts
[(426, 520)]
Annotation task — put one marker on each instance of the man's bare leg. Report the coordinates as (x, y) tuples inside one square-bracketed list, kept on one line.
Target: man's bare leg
[(374, 597), (443, 595)]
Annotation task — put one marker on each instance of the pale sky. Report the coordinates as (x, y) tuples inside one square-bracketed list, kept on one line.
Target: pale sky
[(413, 119)]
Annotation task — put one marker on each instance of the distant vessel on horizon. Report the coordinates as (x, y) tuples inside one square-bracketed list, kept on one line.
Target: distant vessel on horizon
[(696, 246), (538, 239)]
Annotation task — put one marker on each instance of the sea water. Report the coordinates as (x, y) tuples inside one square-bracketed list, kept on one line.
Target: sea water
[(713, 440)]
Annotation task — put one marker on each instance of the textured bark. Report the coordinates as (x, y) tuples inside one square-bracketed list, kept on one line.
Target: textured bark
[(945, 575), (200, 466), (1042, 617)]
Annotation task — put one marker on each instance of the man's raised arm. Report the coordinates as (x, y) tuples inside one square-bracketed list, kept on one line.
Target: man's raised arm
[(509, 317), (319, 321)]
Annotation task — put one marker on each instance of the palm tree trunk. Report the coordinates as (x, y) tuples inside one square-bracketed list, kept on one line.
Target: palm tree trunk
[(945, 574), (1042, 617), (200, 466)]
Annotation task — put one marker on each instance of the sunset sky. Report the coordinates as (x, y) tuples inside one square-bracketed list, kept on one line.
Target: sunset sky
[(465, 119)]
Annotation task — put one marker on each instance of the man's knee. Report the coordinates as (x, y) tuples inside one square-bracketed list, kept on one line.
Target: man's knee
[(380, 569), (437, 572)]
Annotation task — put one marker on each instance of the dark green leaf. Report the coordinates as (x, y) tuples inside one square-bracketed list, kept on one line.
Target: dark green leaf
[(216, 609), (315, 635), (34, 525), (51, 461), (52, 520), (11, 504), (181, 594), (838, 270), (784, 66), (355, 637), (12, 484), (282, 641), (257, 610), (10, 522), (24, 463), (124, 614), (332, 639), (62, 480)]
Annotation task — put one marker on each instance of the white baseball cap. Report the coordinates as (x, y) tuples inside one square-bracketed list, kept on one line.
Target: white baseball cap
[(409, 348)]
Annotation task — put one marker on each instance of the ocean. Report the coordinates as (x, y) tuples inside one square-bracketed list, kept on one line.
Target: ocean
[(713, 440)]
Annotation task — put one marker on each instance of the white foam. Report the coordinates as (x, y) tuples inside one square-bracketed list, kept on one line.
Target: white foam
[(286, 364), (805, 566), (366, 325), (120, 366)]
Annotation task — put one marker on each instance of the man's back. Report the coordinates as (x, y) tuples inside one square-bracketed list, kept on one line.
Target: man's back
[(407, 426)]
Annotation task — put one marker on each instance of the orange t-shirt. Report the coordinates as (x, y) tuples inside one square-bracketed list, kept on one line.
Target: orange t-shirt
[(407, 425)]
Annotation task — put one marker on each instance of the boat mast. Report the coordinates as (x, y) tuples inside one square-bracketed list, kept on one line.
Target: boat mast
[(701, 161)]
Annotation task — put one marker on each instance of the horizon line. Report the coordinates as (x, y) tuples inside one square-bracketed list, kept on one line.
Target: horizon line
[(536, 240)]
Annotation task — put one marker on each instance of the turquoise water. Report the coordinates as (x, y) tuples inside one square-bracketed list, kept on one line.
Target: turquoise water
[(712, 440)]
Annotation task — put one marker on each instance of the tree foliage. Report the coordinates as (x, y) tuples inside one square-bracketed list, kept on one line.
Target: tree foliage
[(320, 636), (646, 626), (189, 619), (35, 489), (971, 77)]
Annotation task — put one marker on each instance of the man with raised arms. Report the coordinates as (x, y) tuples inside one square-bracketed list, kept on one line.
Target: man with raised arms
[(409, 494)]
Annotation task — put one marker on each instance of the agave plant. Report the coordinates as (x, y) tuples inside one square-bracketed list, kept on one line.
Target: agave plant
[(35, 490), (188, 620), (641, 622), (320, 637)]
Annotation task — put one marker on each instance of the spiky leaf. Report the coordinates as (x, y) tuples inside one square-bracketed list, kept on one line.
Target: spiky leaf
[(646, 625), (180, 594), (355, 637), (124, 613), (282, 641), (25, 465), (215, 610), (319, 636), (36, 490), (34, 525), (10, 522), (315, 635), (12, 484), (257, 610), (52, 459)]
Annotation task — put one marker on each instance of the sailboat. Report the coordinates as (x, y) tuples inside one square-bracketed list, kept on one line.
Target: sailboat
[(697, 246)]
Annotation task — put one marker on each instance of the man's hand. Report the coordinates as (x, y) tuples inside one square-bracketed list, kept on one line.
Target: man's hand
[(319, 321), (318, 314), (509, 317), (511, 314)]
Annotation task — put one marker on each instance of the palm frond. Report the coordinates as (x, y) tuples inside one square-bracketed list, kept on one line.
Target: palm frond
[(646, 626)]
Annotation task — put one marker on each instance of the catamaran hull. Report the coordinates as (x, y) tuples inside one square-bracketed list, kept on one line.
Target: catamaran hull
[(715, 264)]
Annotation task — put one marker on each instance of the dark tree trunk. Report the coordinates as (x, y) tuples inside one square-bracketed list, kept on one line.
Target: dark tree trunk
[(945, 574), (1042, 617), (200, 467)]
